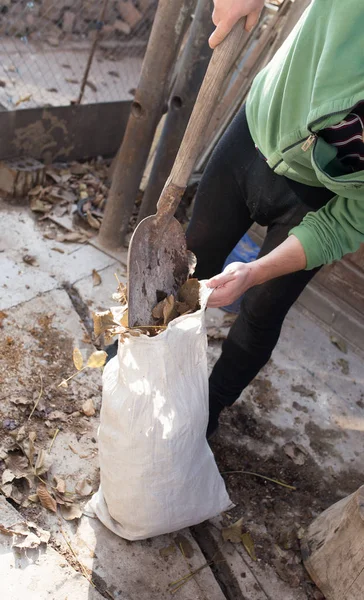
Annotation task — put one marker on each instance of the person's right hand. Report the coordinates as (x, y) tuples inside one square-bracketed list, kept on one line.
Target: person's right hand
[(228, 12)]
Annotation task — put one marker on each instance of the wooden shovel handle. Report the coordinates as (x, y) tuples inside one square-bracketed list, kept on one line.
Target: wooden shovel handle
[(221, 61)]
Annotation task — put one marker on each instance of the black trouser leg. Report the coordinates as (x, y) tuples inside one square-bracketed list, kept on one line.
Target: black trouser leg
[(256, 330), (237, 189)]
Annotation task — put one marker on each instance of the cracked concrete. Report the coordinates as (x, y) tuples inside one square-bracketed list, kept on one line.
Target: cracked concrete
[(325, 417)]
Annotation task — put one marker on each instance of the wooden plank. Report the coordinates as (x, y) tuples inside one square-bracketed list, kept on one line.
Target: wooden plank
[(333, 549), (346, 281)]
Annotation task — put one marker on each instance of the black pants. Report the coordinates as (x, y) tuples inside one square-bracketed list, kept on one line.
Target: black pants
[(237, 189)]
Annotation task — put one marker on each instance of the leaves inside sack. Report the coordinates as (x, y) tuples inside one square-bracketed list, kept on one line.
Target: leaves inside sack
[(121, 293), (46, 499), (190, 294), (103, 321), (97, 359), (233, 533), (77, 359)]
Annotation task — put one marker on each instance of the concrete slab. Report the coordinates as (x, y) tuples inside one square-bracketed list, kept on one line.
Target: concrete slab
[(43, 332), (37, 574), (55, 263), (253, 580)]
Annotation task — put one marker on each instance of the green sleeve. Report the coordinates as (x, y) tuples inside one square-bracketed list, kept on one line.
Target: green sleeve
[(331, 232)]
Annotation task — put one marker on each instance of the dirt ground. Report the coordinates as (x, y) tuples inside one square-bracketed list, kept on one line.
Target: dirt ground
[(276, 517)]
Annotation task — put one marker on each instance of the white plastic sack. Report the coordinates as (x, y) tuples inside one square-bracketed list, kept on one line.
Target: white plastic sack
[(158, 473)]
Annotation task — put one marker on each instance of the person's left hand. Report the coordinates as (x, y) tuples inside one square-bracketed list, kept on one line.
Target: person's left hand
[(235, 279)]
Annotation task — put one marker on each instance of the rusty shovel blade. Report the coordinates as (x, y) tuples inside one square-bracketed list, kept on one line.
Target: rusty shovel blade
[(157, 266)]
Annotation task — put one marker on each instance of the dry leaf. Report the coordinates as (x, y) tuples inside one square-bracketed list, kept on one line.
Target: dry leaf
[(17, 463), (30, 541), (23, 99), (36, 191), (3, 316), (233, 533), (295, 452), (157, 312), (88, 408), (96, 279), (77, 359), (71, 236), (121, 294), (28, 446), (37, 205), (17, 489), (30, 260), (33, 498), (167, 551), (46, 499), (248, 544), (169, 311), (7, 476), (103, 321), (190, 294), (43, 463), (92, 221), (339, 343), (60, 484), (84, 488), (97, 359), (4, 530), (71, 512)]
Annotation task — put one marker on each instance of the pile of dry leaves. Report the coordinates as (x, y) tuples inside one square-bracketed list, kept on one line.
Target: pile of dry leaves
[(114, 321), (25, 480), (79, 188)]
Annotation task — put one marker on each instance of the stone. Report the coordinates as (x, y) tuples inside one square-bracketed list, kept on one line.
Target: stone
[(19, 176), (69, 18)]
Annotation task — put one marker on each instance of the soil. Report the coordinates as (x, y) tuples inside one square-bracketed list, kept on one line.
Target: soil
[(276, 517), (33, 361)]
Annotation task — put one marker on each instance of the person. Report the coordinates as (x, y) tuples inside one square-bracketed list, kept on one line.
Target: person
[(291, 160)]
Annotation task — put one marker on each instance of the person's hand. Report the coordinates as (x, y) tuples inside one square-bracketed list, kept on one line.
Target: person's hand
[(235, 279), (228, 12)]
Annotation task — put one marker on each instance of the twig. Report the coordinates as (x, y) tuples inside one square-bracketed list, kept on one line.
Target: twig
[(289, 487), (83, 568), (54, 437), (71, 377), (191, 575), (39, 397)]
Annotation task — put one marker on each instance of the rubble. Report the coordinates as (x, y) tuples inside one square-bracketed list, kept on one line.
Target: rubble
[(50, 20)]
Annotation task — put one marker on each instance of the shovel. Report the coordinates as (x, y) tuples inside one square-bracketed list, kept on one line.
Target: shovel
[(158, 260)]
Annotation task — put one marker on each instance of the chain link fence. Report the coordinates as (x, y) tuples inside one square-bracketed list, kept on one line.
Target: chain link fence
[(45, 46)]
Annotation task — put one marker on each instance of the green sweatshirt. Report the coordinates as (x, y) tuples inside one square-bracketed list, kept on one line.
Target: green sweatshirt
[(313, 82)]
